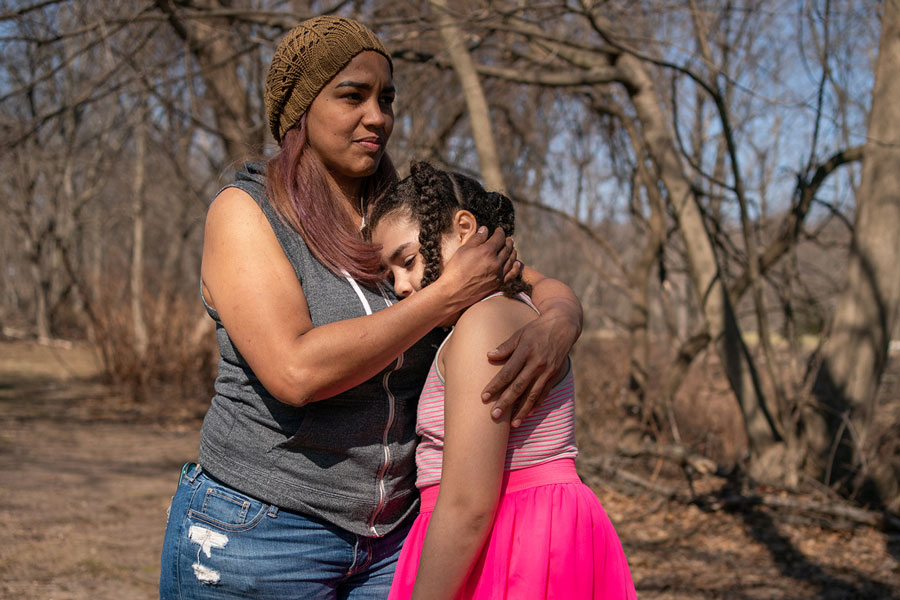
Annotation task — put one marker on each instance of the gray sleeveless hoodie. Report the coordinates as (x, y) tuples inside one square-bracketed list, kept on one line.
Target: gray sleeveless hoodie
[(348, 459)]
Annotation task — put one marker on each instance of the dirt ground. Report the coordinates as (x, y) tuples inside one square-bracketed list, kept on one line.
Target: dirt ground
[(87, 475)]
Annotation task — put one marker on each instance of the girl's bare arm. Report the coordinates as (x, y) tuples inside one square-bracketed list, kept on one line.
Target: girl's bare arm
[(474, 450)]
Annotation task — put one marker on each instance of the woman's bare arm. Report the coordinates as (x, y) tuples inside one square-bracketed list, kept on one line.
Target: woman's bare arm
[(535, 354), (250, 282)]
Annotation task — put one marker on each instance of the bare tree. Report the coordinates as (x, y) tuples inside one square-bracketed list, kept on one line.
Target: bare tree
[(854, 357), (558, 57), (455, 43)]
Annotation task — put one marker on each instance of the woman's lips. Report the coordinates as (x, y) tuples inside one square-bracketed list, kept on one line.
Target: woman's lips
[(371, 144)]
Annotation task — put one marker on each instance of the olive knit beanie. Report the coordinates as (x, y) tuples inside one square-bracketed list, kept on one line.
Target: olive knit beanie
[(308, 57)]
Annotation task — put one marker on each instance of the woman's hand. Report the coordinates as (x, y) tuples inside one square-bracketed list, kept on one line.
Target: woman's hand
[(537, 353), (479, 266)]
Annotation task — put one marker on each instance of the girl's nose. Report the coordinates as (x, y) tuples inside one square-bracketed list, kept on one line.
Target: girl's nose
[(403, 288)]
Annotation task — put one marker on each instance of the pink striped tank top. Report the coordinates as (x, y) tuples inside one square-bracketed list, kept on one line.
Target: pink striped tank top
[(548, 433)]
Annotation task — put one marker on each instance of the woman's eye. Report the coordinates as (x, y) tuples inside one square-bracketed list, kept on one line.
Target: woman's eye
[(387, 100), (353, 97), (409, 262)]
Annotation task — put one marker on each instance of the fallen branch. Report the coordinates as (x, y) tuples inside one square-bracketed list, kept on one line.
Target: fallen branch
[(680, 455), (598, 469), (602, 469), (861, 516)]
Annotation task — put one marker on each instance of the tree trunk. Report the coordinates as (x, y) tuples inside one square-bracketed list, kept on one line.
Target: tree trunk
[(479, 116), (716, 306), (138, 322), (41, 285), (853, 358), (212, 43), (638, 405)]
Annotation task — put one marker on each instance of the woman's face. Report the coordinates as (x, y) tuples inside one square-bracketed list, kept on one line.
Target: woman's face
[(349, 123)]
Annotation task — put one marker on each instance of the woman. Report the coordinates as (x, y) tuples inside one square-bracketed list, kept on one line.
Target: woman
[(305, 484)]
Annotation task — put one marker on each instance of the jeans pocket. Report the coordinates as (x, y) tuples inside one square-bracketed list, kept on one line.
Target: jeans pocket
[(225, 508)]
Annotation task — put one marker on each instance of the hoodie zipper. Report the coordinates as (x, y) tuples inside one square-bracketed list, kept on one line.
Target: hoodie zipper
[(385, 384), (382, 492)]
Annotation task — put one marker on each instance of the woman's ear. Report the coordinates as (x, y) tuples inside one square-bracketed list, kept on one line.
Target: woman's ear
[(464, 225)]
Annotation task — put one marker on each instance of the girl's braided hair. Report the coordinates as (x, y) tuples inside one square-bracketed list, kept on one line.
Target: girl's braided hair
[(432, 197)]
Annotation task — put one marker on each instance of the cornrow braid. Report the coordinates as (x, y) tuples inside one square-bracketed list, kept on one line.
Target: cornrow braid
[(432, 197), (434, 212)]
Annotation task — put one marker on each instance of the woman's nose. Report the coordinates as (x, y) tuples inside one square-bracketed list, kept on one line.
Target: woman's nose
[(374, 116)]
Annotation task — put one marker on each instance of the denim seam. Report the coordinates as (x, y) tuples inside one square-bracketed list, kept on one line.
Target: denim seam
[(199, 516), (369, 552), (352, 568), (192, 482), (245, 506)]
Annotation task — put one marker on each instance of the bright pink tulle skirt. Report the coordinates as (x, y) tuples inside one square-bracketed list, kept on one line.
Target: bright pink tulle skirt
[(551, 539)]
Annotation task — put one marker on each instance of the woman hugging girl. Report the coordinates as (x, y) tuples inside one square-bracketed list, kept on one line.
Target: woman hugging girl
[(503, 512)]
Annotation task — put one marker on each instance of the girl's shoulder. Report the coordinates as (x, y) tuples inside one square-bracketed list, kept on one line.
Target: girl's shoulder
[(495, 318), (481, 328)]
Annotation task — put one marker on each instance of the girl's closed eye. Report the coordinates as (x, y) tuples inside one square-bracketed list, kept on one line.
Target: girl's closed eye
[(398, 236)]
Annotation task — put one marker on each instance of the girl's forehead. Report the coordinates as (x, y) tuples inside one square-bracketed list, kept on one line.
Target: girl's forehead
[(395, 228), (399, 216)]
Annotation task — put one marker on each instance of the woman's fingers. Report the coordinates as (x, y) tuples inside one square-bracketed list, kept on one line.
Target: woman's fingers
[(521, 394), (538, 390), (501, 380), (512, 380), (512, 268), (480, 237), (497, 241), (533, 359)]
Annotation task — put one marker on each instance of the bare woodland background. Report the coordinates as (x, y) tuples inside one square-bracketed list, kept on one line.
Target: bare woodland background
[(719, 182)]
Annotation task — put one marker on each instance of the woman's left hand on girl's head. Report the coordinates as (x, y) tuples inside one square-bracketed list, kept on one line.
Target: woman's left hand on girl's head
[(479, 265)]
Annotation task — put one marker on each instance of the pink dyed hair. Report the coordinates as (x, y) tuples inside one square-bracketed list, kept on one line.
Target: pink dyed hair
[(298, 187)]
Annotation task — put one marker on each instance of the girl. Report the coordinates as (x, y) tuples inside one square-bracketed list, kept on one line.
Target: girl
[(304, 482), (503, 513)]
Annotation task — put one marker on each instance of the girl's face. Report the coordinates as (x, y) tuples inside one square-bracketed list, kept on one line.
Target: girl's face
[(398, 235), (349, 123)]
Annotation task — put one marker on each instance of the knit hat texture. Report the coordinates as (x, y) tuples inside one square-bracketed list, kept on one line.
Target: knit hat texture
[(308, 57)]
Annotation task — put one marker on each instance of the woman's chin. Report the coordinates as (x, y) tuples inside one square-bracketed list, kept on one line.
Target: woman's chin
[(360, 171), (368, 164)]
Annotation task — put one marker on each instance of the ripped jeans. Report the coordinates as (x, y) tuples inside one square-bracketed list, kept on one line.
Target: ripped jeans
[(221, 543)]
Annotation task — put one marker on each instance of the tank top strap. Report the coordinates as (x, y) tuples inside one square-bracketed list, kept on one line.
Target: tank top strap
[(521, 297)]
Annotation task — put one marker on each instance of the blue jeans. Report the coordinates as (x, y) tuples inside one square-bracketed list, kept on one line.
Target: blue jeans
[(221, 543)]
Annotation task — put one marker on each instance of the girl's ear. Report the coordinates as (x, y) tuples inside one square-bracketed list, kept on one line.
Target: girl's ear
[(464, 225)]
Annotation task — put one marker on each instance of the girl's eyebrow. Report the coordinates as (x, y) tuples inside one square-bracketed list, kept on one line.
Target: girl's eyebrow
[(396, 253)]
